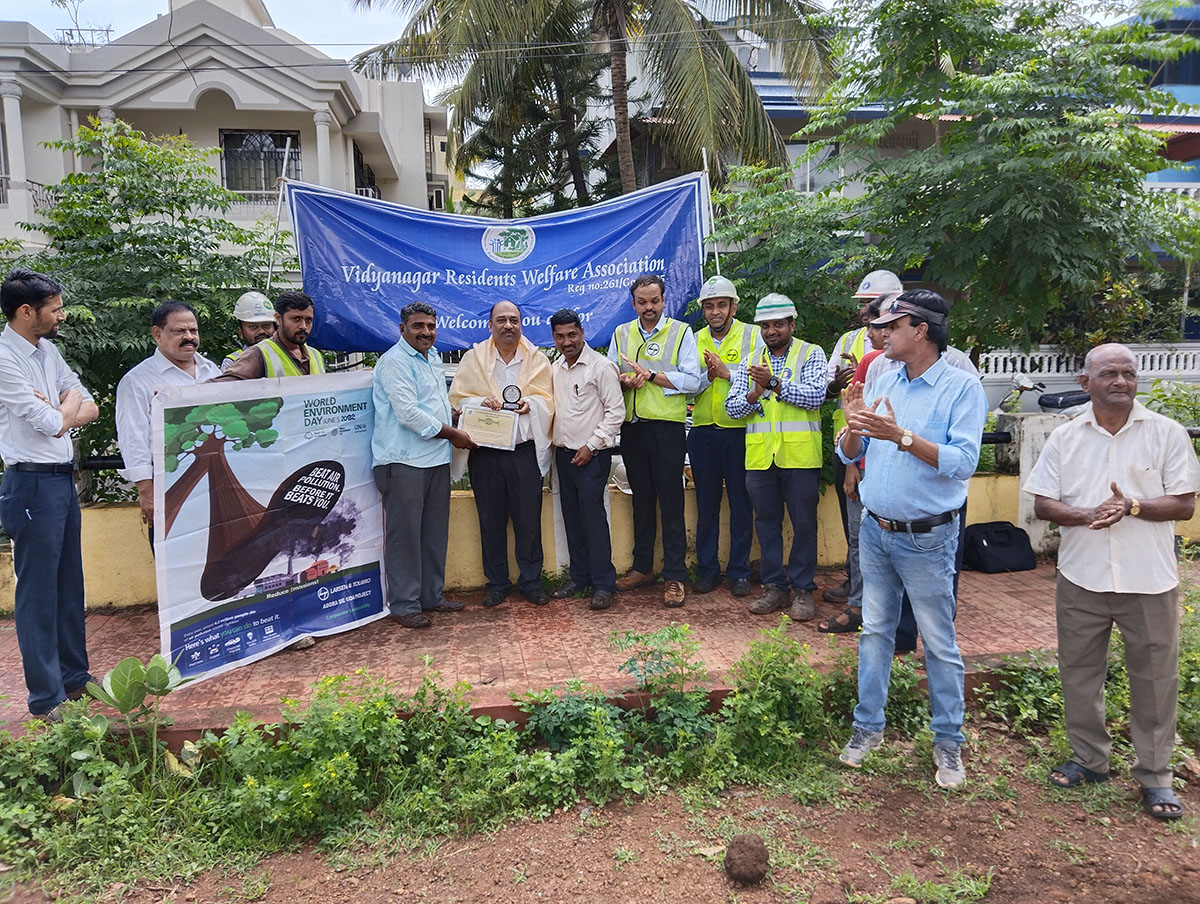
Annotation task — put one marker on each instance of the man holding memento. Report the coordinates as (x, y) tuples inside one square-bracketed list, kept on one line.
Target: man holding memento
[(588, 410), (660, 367), (410, 453), (717, 443), (780, 395), (509, 373)]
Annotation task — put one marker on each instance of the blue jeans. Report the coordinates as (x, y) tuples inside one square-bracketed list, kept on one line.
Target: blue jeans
[(923, 565), (40, 512), (718, 457)]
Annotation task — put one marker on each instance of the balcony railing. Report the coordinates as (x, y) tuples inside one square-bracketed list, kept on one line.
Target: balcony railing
[(256, 197), (37, 192), (368, 191)]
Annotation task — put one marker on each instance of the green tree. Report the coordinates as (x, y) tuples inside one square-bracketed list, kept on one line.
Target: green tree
[(782, 239), (532, 140), (705, 97), (1031, 193), (202, 432), (142, 222)]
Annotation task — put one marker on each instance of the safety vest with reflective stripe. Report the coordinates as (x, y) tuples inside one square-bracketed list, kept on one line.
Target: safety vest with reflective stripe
[(784, 434), (856, 347), (279, 363), (660, 352), (737, 348)]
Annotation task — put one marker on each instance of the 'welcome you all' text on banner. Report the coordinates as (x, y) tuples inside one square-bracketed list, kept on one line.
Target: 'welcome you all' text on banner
[(363, 260)]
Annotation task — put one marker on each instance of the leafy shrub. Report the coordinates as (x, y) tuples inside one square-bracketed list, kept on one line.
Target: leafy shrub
[(776, 704)]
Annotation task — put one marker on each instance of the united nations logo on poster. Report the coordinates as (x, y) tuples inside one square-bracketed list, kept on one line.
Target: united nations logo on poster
[(508, 244)]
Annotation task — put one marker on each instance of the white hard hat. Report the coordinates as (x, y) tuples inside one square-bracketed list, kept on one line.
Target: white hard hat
[(254, 307), (775, 306), (879, 282), (717, 287)]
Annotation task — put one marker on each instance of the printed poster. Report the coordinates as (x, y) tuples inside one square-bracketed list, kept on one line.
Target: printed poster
[(269, 526)]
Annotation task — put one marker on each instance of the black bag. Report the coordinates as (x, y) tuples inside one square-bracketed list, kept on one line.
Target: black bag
[(996, 546)]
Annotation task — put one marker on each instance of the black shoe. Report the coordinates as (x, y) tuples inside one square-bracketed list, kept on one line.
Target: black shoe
[(564, 590), (413, 620), (705, 585), (495, 598), (446, 606), (741, 587), (602, 600), (53, 715), (838, 594), (537, 596)]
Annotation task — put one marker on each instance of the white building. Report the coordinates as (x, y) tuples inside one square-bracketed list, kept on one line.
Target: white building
[(220, 72)]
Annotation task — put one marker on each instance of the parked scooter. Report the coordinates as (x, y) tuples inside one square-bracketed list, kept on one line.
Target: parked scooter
[(1017, 387), (1070, 403)]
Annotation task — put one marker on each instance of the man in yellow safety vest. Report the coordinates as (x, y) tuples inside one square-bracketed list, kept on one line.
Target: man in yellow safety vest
[(717, 443), (284, 353), (780, 395), (659, 366)]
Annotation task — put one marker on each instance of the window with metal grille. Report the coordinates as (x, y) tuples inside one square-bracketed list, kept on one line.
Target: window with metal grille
[(252, 161)]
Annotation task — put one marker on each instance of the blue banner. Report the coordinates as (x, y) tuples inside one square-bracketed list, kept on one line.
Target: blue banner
[(363, 260)]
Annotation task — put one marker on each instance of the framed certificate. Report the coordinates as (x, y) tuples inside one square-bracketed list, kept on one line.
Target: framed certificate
[(495, 429)]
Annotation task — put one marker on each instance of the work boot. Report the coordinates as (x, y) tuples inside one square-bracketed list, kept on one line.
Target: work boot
[(803, 608), (632, 580), (838, 594), (772, 600), (673, 594)]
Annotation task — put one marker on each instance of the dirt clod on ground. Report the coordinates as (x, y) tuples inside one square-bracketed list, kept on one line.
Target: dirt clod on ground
[(746, 859)]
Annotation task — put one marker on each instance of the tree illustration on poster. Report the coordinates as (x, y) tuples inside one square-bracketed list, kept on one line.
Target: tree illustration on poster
[(243, 535)]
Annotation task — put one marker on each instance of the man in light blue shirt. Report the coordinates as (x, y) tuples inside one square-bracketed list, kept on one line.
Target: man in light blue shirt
[(920, 435), (410, 452)]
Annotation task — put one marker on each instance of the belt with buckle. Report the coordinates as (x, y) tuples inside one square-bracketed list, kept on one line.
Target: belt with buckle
[(66, 467), (924, 526)]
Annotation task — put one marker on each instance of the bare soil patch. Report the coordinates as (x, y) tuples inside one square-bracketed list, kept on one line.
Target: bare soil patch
[(886, 833)]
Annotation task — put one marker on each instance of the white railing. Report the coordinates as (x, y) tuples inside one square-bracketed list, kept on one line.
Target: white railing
[(368, 191), (256, 197), (1156, 362), (1190, 189), (1060, 370)]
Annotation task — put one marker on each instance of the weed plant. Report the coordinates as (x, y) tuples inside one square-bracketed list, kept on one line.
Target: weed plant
[(83, 805)]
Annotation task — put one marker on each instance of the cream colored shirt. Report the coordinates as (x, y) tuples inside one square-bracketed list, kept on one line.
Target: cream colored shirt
[(1150, 456), (508, 373), (588, 405)]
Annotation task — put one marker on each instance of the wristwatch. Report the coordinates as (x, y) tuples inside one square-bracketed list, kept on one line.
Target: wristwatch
[(906, 441), (774, 383), (1135, 507)]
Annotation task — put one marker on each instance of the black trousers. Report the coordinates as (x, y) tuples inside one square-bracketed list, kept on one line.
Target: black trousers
[(508, 485), (581, 494), (653, 452)]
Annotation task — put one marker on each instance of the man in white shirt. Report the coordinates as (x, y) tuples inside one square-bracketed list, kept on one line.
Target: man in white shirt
[(176, 362), (588, 411), (41, 399), (1115, 479), (508, 372)]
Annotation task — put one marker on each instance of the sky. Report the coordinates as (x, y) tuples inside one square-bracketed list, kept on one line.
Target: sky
[(335, 27)]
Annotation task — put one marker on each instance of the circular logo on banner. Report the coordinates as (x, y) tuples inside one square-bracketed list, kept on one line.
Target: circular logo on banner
[(508, 244), (653, 350)]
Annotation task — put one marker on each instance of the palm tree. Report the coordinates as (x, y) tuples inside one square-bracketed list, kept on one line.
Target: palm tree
[(705, 99)]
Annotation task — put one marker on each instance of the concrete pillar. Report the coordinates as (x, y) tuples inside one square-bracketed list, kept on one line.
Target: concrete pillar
[(322, 118), (1029, 435), (19, 200)]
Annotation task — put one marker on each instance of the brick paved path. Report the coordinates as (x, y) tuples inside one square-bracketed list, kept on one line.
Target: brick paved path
[(518, 647)]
